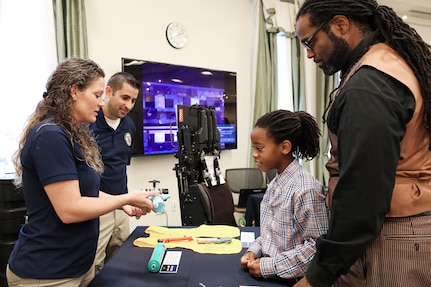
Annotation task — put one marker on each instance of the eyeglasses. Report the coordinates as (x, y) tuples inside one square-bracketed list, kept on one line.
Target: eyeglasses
[(308, 43)]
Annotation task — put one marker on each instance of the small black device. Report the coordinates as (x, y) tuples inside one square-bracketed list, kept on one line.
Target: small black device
[(245, 193)]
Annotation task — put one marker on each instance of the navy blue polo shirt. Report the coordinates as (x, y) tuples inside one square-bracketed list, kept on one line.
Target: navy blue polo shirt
[(46, 247), (116, 149)]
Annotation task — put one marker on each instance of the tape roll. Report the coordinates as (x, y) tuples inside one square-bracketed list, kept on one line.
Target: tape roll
[(155, 261), (159, 204)]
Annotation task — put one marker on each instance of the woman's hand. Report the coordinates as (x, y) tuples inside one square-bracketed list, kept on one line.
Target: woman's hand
[(140, 199), (131, 210)]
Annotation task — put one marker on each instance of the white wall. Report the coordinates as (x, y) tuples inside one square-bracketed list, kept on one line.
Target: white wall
[(219, 38)]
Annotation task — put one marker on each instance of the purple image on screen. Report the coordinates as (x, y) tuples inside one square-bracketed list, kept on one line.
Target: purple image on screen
[(164, 86)]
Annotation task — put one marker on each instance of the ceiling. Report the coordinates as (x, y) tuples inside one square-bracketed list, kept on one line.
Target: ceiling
[(417, 11), (404, 6)]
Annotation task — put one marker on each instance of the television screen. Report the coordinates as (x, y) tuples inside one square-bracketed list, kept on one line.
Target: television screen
[(164, 86)]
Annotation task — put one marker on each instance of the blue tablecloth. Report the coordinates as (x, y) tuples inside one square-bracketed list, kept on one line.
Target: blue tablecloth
[(128, 267)]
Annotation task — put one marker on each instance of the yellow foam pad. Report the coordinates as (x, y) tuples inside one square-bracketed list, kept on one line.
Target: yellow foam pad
[(159, 232)]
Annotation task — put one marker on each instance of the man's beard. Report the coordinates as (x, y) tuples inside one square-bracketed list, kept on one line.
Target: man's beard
[(336, 59)]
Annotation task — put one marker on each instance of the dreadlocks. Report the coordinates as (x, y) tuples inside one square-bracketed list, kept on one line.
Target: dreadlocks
[(391, 29), (299, 127)]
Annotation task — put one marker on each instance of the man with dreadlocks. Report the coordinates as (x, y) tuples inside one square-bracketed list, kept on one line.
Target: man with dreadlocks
[(379, 125)]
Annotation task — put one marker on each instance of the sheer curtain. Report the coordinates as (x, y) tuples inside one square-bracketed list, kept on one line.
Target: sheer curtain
[(27, 57)]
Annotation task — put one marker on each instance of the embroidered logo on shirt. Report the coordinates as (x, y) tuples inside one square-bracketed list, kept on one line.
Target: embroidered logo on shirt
[(128, 139)]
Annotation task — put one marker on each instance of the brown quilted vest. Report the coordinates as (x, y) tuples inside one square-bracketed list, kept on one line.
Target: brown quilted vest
[(412, 191)]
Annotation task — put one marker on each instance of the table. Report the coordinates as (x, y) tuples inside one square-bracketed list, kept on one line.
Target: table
[(252, 210), (128, 267)]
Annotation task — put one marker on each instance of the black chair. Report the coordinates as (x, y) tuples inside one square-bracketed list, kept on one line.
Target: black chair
[(207, 205)]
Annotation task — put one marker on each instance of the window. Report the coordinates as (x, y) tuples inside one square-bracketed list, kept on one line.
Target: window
[(284, 72), (27, 57)]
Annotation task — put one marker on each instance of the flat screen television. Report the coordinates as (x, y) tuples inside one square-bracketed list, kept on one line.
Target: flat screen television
[(164, 86)]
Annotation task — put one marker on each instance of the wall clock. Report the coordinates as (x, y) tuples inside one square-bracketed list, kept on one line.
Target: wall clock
[(176, 34)]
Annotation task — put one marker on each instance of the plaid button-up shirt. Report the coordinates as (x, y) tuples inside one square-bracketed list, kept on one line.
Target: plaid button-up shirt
[(293, 215)]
